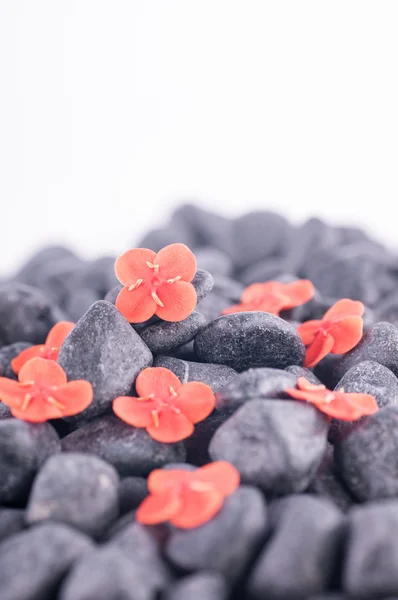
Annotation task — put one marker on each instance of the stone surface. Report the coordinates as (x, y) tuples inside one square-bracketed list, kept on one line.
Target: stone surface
[(252, 339), (203, 586), (132, 491), (298, 371), (12, 520), (275, 444), (164, 336), (131, 451), (216, 376), (214, 261), (372, 378), (203, 283), (105, 350), (7, 353)]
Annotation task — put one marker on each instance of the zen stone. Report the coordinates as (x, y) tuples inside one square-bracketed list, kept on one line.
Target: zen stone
[(203, 586), (216, 376), (203, 283), (12, 520), (370, 377), (7, 353), (164, 336)]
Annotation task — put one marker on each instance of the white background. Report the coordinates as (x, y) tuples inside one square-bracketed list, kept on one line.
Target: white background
[(113, 110)]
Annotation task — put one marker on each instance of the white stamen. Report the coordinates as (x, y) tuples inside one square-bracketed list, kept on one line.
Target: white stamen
[(157, 299), (174, 279), (135, 285)]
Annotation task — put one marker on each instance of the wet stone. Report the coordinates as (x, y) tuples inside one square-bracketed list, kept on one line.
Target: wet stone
[(372, 378), (227, 542), (164, 336), (252, 339), (106, 351), (23, 449), (202, 586), (300, 557), (131, 451), (367, 456), (203, 283), (7, 353), (12, 520), (132, 491), (33, 562), (216, 376), (77, 489), (276, 445)]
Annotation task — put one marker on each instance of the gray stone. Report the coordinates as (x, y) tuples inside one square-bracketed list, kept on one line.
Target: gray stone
[(212, 306), (370, 377), (214, 261), (263, 270), (23, 449), (131, 451), (105, 350), (7, 353), (252, 339), (33, 562), (216, 376), (203, 283), (228, 288), (132, 491), (203, 586), (197, 444), (164, 336), (113, 293), (275, 444), (300, 558), (298, 371), (5, 412), (12, 520), (227, 542), (76, 489), (328, 484)]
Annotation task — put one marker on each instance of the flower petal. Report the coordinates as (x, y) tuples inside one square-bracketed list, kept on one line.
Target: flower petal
[(344, 308), (197, 508), (257, 290), (196, 401), (37, 411), (11, 392), (350, 407), (237, 308), (156, 380), (157, 508), (315, 397), (320, 347), (171, 427), (131, 265), (308, 330), (179, 299), (299, 292), (18, 362), (75, 396), (159, 479), (58, 333), (304, 384), (136, 305), (42, 371), (224, 476), (176, 260), (134, 412), (346, 333)]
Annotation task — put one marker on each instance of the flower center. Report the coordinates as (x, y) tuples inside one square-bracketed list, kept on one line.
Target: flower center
[(154, 282), (37, 393), (162, 403)]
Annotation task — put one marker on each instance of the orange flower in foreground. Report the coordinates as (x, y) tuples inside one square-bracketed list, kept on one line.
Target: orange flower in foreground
[(166, 408), (43, 393), (187, 498), (346, 407), (338, 332), (273, 296), (48, 350), (156, 283)]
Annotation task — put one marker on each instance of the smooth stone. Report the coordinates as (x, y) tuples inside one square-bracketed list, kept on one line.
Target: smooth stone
[(276, 444), (214, 261), (298, 371), (300, 558), (251, 339), (212, 306), (216, 376), (156, 239), (5, 412), (370, 377), (328, 484), (130, 450), (263, 270), (197, 444), (132, 491), (33, 562), (227, 542), (371, 555), (77, 489), (164, 336), (228, 288), (208, 228), (12, 520), (23, 449), (26, 314), (105, 350), (79, 302), (7, 353), (367, 456), (113, 293), (203, 283), (202, 586)]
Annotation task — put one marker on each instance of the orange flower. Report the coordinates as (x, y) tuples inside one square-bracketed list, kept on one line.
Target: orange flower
[(48, 350), (156, 283), (272, 297), (42, 392), (187, 498), (338, 332), (165, 407), (346, 407)]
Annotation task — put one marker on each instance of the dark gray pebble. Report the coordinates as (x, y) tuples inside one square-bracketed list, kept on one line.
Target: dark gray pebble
[(276, 444), (228, 288), (23, 449), (367, 456), (76, 489), (32, 270), (207, 228), (7, 353), (12, 520), (132, 491), (131, 451), (202, 586), (113, 293), (212, 306), (303, 372), (33, 562), (197, 444), (370, 377), (159, 238), (5, 412), (26, 314), (263, 270), (300, 558), (328, 484), (227, 542), (214, 261), (164, 336), (216, 376), (106, 351), (203, 283), (370, 566), (252, 339)]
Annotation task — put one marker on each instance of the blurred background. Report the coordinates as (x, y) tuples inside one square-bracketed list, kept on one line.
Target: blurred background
[(112, 112)]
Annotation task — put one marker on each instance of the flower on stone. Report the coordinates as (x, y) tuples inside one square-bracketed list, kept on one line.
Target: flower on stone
[(337, 332), (187, 499), (156, 283), (166, 408), (337, 404), (273, 296), (48, 350), (42, 392)]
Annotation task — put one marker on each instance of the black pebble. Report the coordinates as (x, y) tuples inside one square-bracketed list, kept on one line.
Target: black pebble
[(370, 377), (216, 376), (303, 372), (203, 283), (202, 586), (164, 336), (12, 520), (7, 353), (132, 491)]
